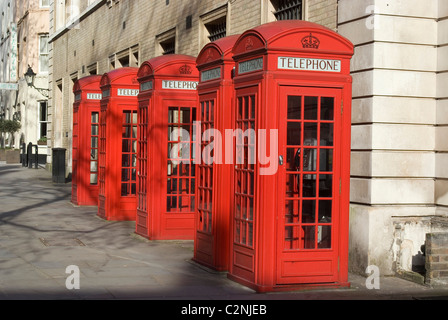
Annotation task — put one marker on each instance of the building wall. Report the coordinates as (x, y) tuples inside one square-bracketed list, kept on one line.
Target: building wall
[(31, 21), (7, 98), (106, 29), (398, 150)]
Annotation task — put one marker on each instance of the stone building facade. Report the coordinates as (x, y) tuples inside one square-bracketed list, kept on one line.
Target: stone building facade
[(399, 129), (27, 22), (400, 118)]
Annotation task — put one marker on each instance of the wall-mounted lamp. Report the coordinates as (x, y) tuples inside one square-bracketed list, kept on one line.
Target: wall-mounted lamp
[(29, 78)]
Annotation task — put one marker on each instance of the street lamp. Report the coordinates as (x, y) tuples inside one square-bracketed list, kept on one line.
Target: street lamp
[(29, 78)]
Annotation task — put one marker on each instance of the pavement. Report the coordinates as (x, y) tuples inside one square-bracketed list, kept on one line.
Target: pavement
[(42, 233)]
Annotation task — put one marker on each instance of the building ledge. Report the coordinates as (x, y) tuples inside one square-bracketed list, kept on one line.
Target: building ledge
[(76, 20)]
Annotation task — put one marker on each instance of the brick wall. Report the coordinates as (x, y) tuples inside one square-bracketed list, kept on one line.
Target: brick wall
[(437, 259), (323, 12)]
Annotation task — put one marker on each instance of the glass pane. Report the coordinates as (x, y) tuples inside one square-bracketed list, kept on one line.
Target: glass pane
[(292, 185), (251, 183), (186, 113), (250, 233), (326, 160), (94, 154), (237, 231), (125, 175), (237, 207), (252, 113), (94, 130), (294, 133), (309, 185), (309, 159), (308, 211), (93, 166), (124, 189), (293, 159), (173, 115), (289, 237), (325, 185), (43, 44), (240, 108), (94, 178), (310, 134), (310, 108), (325, 211), (94, 142), (308, 237), (327, 108), (125, 160), (95, 117), (133, 188), (192, 203), (126, 146), (246, 107), (292, 211), (251, 208), (324, 237), (326, 134), (294, 107), (43, 63)]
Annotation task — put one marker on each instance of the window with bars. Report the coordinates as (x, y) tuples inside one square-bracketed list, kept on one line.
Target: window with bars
[(288, 9), (217, 29), (168, 46)]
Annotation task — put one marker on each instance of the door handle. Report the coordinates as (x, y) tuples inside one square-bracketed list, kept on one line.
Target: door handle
[(280, 160)]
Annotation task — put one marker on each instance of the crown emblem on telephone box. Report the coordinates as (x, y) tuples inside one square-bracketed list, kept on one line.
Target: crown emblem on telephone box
[(310, 42), (185, 69)]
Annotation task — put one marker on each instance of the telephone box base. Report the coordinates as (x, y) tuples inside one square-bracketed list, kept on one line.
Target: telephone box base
[(290, 287)]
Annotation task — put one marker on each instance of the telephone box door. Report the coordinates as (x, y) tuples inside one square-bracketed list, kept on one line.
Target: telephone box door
[(178, 219), (309, 185)]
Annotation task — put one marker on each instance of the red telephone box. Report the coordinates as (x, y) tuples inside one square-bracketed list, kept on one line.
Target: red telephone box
[(213, 175), (86, 111), (290, 208), (118, 145), (167, 110)]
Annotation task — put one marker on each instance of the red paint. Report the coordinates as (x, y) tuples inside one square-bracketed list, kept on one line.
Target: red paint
[(213, 192), (290, 229), (118, 143), (167, 101), (86, 110)]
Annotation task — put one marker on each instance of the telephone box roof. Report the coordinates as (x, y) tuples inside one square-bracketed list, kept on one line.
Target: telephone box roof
[(120, 76), (217, 50), (89, 82), (169, 64), (293, 35)]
